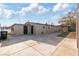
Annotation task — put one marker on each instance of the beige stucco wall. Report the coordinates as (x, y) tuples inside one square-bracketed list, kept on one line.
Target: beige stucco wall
[(56, 28), (41, 30), (38, 28), (18, 29), (29, 29), (49, 29)]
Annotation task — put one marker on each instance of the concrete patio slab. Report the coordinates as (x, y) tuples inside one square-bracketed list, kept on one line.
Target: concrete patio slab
[(8, 50), (31, 43), (44, 49), (64, 51), (27, 52), (38, 45), (66, 48), (70, 43)]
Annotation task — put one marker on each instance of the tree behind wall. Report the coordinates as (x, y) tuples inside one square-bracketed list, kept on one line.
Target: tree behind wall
[(71, 24), (69, 21)]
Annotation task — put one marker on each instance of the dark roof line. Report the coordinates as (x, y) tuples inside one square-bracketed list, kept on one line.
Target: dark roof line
[(32, 23), (16, 24), (38, 23)]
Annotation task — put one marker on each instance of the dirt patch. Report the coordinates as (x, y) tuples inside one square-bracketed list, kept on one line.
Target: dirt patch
[(72, 35), (64, 34)]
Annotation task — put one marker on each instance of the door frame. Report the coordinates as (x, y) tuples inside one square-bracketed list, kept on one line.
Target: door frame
[(25, 29)]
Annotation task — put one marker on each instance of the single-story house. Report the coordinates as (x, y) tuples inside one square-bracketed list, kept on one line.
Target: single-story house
[(8, 29), (33, 28)]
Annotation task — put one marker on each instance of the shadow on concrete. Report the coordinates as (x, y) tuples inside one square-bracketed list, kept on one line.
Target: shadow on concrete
[(52, 39), (64, 34)]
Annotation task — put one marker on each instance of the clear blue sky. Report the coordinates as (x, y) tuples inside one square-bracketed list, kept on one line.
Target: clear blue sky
[(11, 13)]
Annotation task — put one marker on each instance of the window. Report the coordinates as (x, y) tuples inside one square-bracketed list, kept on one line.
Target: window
[(42, 32), (43, 27), (48, 27)]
